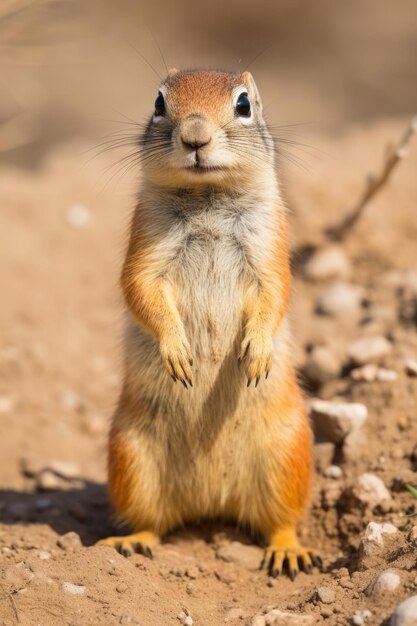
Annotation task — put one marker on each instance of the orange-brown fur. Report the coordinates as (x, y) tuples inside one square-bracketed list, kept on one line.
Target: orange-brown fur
[(207, 282)]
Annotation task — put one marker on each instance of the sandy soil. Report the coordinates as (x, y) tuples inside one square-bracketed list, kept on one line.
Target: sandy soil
[(60, 375)]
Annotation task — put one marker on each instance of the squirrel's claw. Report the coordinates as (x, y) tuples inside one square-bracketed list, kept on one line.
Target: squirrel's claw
[(258, 359), (291, 560), (178, 361), (138, 543)]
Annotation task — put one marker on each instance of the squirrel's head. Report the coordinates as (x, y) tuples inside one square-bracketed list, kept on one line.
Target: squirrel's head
[(207, 129)]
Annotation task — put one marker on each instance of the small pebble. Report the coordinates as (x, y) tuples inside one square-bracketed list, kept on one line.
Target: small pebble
[(185, 618), (411, 367), (372, 542), (326, 595), (121, 587), (369, 490), (329, 262), (336, 420), (333, 471), (72, 589), (339, 299), (69, 542), (384, 583), (360, 617), (43, 555), (370, 373), (402, 423), (192, 572), (406, 613), (275, 617), (369, 350)]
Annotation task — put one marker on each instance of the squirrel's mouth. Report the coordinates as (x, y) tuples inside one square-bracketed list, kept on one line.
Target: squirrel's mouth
[(203, 169)]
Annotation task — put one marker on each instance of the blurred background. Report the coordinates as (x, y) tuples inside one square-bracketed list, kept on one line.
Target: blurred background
[(69, 66)]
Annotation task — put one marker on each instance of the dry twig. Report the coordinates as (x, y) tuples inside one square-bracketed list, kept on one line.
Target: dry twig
[(374, 184), (10, 595)]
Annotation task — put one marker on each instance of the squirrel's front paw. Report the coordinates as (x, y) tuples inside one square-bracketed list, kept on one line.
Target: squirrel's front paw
[(176, 355), (256, 354)]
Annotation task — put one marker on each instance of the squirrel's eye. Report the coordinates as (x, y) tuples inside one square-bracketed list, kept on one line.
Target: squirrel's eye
[(243, 105), (160, 105)]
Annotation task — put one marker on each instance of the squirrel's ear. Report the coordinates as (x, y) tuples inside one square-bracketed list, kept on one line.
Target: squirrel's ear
[(252, 89), (172, 72)]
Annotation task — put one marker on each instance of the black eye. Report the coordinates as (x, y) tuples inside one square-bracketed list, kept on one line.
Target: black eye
[(243, 105), (160, 105)]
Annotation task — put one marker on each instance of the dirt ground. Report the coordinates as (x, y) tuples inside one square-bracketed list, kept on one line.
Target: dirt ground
[(62, 238)]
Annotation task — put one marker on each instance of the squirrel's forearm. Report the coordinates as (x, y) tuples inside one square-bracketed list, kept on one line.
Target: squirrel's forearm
[(151, 303)]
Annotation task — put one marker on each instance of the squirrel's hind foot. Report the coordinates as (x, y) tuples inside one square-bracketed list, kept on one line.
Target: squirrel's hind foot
[(284, 553), (137, 543)]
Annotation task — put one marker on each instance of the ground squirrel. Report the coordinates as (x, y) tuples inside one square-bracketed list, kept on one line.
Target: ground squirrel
[(198, 431)]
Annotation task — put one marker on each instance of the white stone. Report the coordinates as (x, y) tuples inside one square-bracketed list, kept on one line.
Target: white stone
[(369, 350), (185, 619), (43, 555), (335, 420), (386, 376), (360, 617), (370, 373), (330, 262), (386, 582), (411, 367), (78, 216), (333, 471), (339, 299), (406, 613), (281, 618), (373, 539), (370, 490), (72, 589)]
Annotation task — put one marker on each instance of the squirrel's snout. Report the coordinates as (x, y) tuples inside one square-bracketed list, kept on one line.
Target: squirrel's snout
[(195, 133)]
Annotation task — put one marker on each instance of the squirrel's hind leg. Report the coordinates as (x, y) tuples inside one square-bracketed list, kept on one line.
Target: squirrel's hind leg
[(132, 490)]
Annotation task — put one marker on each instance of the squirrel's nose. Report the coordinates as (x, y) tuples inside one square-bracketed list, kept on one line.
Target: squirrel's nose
[(195, 133)]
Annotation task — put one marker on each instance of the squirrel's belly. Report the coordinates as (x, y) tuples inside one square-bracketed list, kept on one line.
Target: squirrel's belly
[(210, 301)]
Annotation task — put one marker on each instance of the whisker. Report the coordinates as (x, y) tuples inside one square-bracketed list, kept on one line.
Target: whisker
[(147, 62)]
